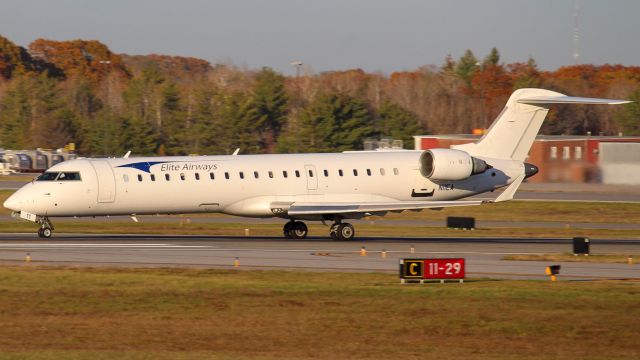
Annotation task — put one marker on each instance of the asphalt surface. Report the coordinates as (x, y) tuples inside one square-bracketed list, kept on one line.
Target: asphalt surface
[(483, 255)]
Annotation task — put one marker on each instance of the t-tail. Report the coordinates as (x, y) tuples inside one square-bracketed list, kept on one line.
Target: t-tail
[(514, 130), (512, 133)]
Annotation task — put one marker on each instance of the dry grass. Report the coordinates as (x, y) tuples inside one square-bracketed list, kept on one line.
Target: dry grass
[(51, 313), (566, 257)]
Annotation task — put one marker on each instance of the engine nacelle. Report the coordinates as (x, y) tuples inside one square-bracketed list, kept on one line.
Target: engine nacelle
[(449, 164)]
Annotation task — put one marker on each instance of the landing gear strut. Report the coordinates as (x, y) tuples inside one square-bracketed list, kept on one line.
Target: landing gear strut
[(46, 228), (295, 230), (342, 231)]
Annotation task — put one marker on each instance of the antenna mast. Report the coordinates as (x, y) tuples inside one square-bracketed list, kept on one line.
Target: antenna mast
[(576, 31)]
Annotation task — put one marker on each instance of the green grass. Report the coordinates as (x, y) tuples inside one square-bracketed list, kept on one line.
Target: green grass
[(51, 313), (566, 257)]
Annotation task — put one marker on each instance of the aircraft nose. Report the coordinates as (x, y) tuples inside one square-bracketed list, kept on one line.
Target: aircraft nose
[(13, 202)]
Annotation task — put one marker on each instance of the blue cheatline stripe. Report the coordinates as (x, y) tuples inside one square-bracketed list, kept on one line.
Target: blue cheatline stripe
[(144, 165)]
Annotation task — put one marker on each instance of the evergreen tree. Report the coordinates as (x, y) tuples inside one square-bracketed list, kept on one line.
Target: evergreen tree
[(492, 59), (398, 123), (629, 117), (330, 123), (271, 102), (34, 115), (467, 66)]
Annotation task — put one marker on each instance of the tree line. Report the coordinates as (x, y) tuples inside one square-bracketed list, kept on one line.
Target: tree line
[(57, 92)]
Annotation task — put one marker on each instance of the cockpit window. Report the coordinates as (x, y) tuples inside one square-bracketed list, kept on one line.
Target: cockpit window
[(68, 176), (47, 176)]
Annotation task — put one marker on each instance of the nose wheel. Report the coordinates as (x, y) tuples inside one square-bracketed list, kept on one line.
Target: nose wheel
[(342, 231), (295, 230), (46, 228)]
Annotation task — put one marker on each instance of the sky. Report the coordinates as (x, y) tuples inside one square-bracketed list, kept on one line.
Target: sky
[(374, 35)]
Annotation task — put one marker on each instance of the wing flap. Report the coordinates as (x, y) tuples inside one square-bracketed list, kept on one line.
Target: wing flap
[(297, 209)]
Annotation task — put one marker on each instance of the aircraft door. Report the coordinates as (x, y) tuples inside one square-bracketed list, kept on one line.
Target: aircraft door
[(106, 181), (312, 177)]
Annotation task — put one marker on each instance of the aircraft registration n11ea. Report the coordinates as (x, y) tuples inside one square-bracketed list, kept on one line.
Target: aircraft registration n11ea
[(330, 187)]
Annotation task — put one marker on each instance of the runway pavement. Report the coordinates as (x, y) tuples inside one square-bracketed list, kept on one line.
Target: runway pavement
[(483, 255)]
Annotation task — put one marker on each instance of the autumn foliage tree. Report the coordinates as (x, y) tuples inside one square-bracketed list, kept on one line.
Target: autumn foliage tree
[(55, 92)]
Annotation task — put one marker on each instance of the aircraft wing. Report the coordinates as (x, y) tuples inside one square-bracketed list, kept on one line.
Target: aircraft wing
[(319, 208)]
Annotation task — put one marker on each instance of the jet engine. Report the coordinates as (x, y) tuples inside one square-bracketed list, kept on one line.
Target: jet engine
[(449, 164)]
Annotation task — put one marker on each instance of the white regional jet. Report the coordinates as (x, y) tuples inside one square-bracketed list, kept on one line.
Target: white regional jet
[(297, 187)]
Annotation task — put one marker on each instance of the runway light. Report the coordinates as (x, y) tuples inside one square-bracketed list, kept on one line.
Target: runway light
[(246, 232), (383, 254), (630, 260), (363, 251), (236, 262), (27, 258), (413, 249), (552, 271)]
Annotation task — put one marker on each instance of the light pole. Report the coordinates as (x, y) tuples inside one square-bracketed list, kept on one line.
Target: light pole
[(297, 64), (297, 103)]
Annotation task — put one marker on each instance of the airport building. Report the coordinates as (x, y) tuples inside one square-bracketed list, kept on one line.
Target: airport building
[(576, 159)]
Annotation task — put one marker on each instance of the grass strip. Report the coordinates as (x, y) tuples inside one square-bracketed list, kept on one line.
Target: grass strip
[(567, 257), (99, 313)]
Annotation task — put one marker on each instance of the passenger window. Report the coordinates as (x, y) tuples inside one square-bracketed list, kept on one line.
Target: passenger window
[(271, 174), (197, 176), (340, 172), (369, 172), (182, 177), (355, 172), (153, 177), (125, 177), (310, 173), (284, 173), (212, 176), (226, 175), (139, 177), (241, 175), (382, 171), (326, 173), (167, 177), (395, 171), (297, 173), (255, 174)]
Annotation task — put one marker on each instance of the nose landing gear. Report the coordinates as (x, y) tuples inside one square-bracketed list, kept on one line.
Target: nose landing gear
[(46, 228)]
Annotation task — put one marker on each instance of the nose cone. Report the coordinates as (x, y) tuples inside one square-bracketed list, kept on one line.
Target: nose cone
[(13, 202), (529, 170)]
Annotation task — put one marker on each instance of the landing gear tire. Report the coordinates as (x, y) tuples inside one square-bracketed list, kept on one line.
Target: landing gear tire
[(46, 228), (295, 230), (45, 232), (342, 232)]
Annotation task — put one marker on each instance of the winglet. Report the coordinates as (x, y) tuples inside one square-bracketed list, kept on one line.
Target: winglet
[(236, 152), (126, 156), (508, 193)]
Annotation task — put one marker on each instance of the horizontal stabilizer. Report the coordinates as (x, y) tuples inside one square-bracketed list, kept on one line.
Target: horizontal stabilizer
[(570, 100)]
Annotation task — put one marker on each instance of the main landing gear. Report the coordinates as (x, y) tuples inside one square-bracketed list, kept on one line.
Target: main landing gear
[(342, 231), (298, 230), (295, 230), (46, 228)]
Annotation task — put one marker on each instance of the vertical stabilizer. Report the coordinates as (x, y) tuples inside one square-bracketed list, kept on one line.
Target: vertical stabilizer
[(514, 130)]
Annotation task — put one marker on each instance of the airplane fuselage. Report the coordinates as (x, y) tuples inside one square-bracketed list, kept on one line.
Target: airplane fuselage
[(245, 185)]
